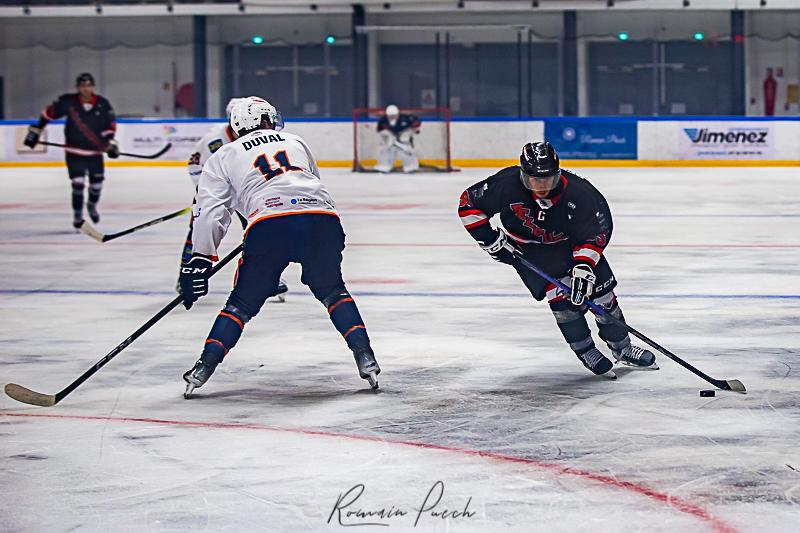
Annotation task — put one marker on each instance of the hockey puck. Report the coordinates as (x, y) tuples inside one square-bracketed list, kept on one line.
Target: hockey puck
[(707, 393)]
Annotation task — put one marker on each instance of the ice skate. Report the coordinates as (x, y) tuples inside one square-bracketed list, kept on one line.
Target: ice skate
[(197, 376), (598, 363), (368, 367), (93, 214), (636, 357), (281, 296), (77, 220)]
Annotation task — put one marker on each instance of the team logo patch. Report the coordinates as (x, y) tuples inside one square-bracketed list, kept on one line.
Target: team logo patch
[(215, 145), (464, 200)]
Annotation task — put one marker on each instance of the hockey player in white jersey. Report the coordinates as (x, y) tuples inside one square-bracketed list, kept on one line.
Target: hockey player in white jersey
[(218, 136), (271, 176), (396, 131)]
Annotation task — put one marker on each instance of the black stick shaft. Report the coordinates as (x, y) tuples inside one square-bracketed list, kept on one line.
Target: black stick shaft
[(722, 384), (136, 334), (146, 224), (100, 152)]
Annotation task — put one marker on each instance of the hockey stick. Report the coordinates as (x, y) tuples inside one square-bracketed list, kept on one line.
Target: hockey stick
[(92, 232), (97, 152), (731, 384), (25, 395)]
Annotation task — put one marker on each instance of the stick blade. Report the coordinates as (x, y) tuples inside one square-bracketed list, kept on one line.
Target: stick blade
[(736, 386), (89, 230), (25, 395)]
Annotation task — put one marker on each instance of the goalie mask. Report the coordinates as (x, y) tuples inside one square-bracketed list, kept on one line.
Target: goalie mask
[(539, 168), (254, 113)]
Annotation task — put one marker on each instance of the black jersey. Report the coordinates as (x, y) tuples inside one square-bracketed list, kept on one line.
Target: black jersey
[(403, 123), (572, 225), (89, 125)]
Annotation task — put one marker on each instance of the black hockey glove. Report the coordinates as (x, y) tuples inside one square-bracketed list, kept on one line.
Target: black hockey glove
[(194, 279), (112, 149), (501, 250), (32, 138), (583, 279)]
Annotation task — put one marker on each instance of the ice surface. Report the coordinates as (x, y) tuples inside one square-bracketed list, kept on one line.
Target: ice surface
[(478, 389)]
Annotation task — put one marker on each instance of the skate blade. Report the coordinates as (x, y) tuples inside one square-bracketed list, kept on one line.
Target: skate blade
[(373, 380), (654, 366), (189, 389), (609, 375)]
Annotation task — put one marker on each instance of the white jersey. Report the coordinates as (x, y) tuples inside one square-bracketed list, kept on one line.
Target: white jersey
[(212, 141), (263, 174)]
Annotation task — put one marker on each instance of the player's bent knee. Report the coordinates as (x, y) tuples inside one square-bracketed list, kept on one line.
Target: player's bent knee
[(237, 313), (331, 297), (564, 312)]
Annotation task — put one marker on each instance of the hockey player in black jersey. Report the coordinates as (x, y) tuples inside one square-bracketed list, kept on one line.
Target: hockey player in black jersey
[(561, 223), (88, 133)]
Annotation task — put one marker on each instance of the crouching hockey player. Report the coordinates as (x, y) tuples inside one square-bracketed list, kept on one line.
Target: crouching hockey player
[(561, 223), (396, 133), (272, 176), (218, 136)]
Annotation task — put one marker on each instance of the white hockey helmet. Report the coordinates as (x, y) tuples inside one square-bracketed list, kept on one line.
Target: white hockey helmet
[(249, 115), (392, 111), (231, 104)]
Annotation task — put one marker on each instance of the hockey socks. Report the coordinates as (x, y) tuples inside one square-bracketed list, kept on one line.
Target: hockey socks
[(224, 334), (77, 197), (346, 319)]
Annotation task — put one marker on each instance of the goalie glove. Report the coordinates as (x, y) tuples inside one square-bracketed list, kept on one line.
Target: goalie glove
[(501, 250), (583, 279)]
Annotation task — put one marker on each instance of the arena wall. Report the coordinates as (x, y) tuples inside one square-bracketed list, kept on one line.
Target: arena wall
[(484, 142)]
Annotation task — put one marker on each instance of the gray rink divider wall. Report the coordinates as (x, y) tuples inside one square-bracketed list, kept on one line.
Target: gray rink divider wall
[(485, 141)]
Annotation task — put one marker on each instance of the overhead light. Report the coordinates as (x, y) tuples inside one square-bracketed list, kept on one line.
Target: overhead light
[(623, 36), (330, 39), (698, 36), (257, 39)]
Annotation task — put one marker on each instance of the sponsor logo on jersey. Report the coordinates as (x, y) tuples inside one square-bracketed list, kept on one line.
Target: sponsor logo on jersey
[(215, 145), (546, 237), (304, 201), (736, 135)]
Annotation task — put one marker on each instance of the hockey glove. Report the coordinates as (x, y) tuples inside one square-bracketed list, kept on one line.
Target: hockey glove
[(32, 138), (501, 250), (583, 279), (194, 279), (112, 149)]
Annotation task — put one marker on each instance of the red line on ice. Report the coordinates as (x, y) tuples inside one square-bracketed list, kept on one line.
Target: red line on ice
[(676, 503)]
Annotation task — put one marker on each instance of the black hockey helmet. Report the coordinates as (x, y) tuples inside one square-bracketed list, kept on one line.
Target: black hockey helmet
[(83, 77), (539, 160)]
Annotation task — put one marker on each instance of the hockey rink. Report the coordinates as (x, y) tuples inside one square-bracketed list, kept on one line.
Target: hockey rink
[(481, 401)]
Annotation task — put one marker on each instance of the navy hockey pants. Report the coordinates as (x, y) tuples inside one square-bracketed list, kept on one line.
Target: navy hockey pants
[(315, 241)]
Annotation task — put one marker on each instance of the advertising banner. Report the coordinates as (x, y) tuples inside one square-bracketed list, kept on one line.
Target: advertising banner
[(592, 139), (726, 140)]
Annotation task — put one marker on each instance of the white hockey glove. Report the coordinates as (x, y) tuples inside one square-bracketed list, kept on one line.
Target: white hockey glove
[(583, 279), (386, 138), (501, 250)]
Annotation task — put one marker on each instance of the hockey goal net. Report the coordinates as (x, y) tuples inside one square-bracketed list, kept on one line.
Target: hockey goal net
[(432, 144)]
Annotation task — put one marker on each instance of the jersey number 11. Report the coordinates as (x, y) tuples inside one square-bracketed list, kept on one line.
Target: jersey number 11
[(262, 164)]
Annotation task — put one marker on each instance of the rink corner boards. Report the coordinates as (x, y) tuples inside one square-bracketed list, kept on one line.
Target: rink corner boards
[(471, 163)]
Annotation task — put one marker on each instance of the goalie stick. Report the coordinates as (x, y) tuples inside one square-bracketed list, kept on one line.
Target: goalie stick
[(140, 156), (731, 384), (26, 395), (92, 232)]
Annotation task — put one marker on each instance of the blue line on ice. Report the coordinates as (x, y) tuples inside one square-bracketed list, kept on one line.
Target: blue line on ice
[(414, 294)]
